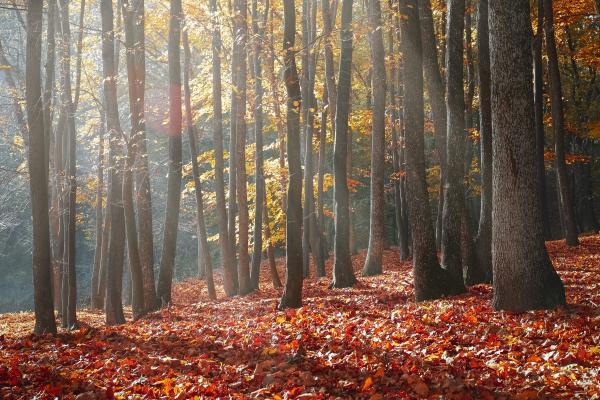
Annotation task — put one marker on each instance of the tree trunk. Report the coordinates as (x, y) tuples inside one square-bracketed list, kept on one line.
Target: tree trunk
[(232, 194), (241, 38), (38, 183), (454, 206), (94, 295), (167, 257), (292, 293), (69, 318), (524, 278), (483, 241), (142, 175), (270, 250), (373, 263), (116, 248), (258, 28), (539, 119), (558, 124), (204, 260), (343, 275), (431, 282), (328, 22), (217, 128), (436, 93), (130, 14)]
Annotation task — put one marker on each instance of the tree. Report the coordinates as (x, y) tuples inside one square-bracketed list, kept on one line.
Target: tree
[(565, 199), (116, 248), (167, 257), (483, 241), (138, 304), (455, 106), (240, 40), (258, 29), (292, 293), (524, 278), (436, 93), (343, 275), (69, 283), (373, 263), (204, 260), (100, 228), (229, 275), (38, 182), (431, 281)]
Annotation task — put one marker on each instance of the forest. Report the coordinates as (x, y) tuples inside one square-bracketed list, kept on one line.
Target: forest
[(281, 199)]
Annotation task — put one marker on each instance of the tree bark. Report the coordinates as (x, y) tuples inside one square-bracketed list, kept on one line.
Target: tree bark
[(431, 282), (69, 317), (436, 92), (524, 278), (204, 260), (167, 257), (373, 263), (270, 250), (292, 293), (483, 241), (94, 295), (343, 275), (455, 105), (116, 248), (558, 124), (38, 183)]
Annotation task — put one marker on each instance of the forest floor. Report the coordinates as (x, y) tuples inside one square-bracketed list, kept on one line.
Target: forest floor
[(371, 342)]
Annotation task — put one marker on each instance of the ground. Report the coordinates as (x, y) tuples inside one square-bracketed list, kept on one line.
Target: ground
[(371, 342)]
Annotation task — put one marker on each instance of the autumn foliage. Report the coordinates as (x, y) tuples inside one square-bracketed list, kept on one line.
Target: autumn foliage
[(372, 341)]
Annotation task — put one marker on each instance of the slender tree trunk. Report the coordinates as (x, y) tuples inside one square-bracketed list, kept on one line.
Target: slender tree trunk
[(270, 250), (69, 319), (373, 263), (328, 21), (104, 257), (436, 92), (167, 257), (292, 293), (135, 265), (539, 118), (204, 260), (48, 92), (524, 278), (42, 281), (142, 175), (430, 280), (483, 241), (116, 248), (343, 275), (454, 205), (95, 303), (321, 172), (217, 128), (258, 28), (564, 190)]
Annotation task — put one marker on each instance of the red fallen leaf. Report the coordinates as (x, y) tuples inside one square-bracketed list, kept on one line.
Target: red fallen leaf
[(527, 395), (534, 359), (367, 384)]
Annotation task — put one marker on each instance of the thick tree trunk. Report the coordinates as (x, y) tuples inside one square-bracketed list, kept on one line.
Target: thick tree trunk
[(217, 128), (524, 278), (38, 182), (373, 263), (167, 257), (292, 294), (454, 206), (343, 275), (436, 93), (116, 248), (483, 241), (69, 317), (565, 195), (430, 280), (204, 260)]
